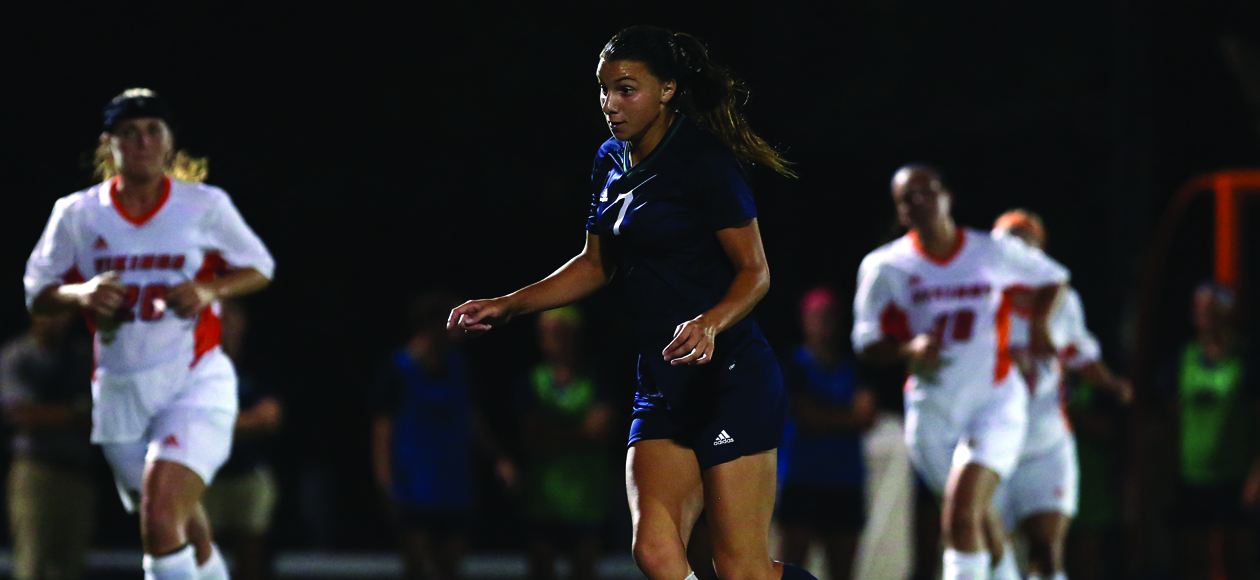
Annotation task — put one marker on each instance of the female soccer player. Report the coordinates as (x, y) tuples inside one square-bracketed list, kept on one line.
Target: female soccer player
[(672, 218), (1041, 496), (939, 299), (147, 256)]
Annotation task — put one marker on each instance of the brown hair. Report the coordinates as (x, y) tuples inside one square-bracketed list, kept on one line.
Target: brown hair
[(706, 91)]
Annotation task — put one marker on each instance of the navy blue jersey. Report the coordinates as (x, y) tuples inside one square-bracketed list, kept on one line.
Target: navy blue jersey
[(657, 224)]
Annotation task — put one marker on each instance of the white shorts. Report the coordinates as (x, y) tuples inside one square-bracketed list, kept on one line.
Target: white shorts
[(985, 425), (1046, 482), (199, 439), (124, 404)]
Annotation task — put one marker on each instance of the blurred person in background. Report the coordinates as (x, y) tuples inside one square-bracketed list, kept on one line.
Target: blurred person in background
[(147, 254), (824, 472), (243, 496), (566, 430), (425, 430), (1040, 498), (1213, 397), (45, 387)]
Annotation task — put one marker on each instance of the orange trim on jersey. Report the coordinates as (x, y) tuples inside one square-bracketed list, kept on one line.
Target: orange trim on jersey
[(894, 322), (961, 239), (1002, 323), (209, 327), (141, 219)]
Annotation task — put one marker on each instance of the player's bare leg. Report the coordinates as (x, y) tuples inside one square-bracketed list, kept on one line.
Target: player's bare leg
[(1046, 533), (738, 502), (967, 523), (199, 534), (700, 550), (168, 502), (666, 496)]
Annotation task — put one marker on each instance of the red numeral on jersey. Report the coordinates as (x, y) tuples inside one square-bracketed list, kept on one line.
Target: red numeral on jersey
[(964, 322), (148, 306), (147, 298)]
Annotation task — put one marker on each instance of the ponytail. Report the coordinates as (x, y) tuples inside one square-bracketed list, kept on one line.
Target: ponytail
[(706, 91)]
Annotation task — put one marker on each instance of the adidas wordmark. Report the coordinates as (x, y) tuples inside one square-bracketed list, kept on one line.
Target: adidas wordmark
[(723, 438)]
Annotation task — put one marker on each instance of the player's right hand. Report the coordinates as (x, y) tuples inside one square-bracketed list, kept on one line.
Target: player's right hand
[(923, 356), (103, 294), (478, 316)]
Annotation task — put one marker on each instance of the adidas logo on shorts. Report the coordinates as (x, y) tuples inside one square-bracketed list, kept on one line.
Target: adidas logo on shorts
[(723, 438)]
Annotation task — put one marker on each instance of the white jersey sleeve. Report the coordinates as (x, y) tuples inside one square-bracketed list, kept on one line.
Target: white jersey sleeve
[(237, 244), (1081, 346), (1030, 266), (53, 260), (876, 312)]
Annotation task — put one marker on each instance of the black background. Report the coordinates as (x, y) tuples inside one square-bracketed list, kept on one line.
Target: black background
[(382, 150)]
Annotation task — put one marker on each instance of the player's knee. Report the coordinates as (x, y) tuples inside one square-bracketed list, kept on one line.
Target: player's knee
[(656, 555)]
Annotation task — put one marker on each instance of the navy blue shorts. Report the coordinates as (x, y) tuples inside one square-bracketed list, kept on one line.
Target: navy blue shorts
[(725, 414)]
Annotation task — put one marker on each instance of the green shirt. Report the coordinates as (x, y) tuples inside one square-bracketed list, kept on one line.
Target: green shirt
[(570, 484), (1217, 415)]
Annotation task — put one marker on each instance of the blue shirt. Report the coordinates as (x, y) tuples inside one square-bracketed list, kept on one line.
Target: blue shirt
[(657, 224), (831, 460), (432, 437)]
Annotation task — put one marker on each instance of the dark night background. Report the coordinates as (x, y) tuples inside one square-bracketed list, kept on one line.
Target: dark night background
[(381, 150)]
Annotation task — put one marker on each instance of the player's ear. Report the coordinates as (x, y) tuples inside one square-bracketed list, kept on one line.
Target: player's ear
[(667, 90)]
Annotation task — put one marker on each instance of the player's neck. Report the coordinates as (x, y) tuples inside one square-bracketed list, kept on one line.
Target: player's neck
[(939, 239), (643, 146), (138, 194)]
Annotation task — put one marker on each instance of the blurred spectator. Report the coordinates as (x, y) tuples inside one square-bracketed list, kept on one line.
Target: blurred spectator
[(1212, 394), (242, 499), (45, 386), (566, 428), (424, 430), (824, 473)]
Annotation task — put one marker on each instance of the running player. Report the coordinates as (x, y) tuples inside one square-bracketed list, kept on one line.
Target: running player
[(147, 257), (1040, 498), (938, 299), (672, 218)]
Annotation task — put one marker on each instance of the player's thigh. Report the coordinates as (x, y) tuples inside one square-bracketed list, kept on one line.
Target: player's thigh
[(739, 502), (663, 488), (1046, 483), (994, 435), (931, 439), (197, 438)]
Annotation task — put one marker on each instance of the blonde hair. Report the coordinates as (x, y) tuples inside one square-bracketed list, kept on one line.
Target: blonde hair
[(181, 165)]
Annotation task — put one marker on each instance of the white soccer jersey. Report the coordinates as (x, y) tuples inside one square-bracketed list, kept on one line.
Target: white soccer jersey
[(964, 300), (1047, 426), (194, 233)]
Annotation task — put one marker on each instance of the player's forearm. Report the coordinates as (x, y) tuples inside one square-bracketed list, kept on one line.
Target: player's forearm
[(237, 283), (259, 421), (747, 289), (575, 280), (58, 298), (1097, 373), (1043, 302)]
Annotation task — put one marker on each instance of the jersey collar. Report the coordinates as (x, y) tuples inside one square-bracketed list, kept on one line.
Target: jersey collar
[(140, 219), (939, 260), (669, 136)]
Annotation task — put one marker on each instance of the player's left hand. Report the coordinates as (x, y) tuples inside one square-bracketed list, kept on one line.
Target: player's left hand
[(693, 343), (189, 298)]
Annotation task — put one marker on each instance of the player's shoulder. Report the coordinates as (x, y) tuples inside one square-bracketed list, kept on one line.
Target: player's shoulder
[(608, 150), (84, 199), (196, 191), (895, 254)]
